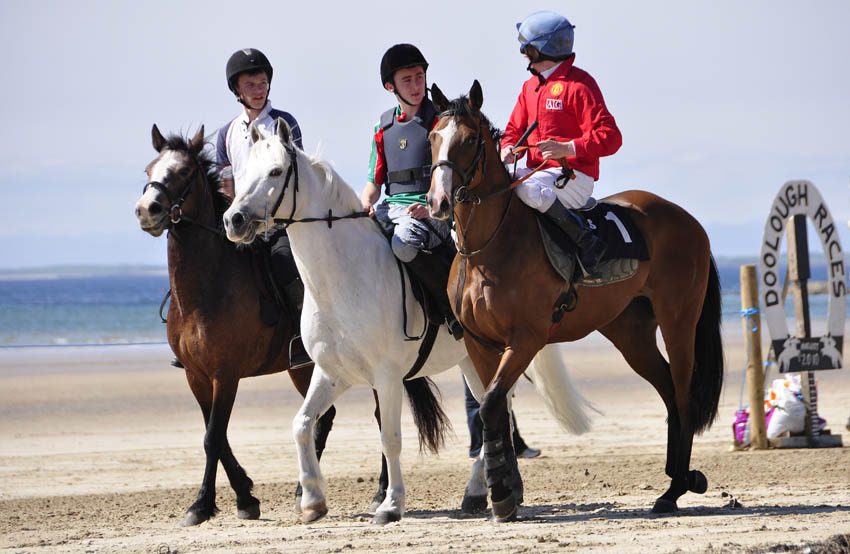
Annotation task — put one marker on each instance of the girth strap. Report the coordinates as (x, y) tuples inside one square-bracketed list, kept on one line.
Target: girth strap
[(424, 350)]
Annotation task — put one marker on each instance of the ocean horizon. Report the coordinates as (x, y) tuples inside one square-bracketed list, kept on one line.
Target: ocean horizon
[(119, 305)]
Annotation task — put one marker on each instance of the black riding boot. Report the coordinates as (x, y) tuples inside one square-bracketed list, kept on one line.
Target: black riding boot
[(590, 247), (294, 296), (432, 272)]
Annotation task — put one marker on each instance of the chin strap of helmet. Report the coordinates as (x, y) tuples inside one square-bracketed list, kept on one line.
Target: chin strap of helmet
[(239, 99), (540, 79), (403, 99)]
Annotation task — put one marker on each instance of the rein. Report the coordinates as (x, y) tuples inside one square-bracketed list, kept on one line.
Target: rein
[(287, 221), (291, 173)]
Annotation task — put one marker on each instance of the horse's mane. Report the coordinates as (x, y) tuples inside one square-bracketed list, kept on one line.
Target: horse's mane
[(210, 168), (336, 186)]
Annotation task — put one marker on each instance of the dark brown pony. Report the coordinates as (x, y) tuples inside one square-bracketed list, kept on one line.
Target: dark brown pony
[(504, 291), (214, 324)]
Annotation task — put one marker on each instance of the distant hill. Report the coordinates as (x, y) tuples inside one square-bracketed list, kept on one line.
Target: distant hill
[(59, 271)]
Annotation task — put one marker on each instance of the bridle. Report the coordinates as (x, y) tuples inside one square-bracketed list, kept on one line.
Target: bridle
[(175, 209), (292, 172), (462, 194)]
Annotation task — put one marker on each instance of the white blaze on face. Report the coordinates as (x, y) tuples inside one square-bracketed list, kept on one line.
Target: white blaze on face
[(167, 162), (443, 174)]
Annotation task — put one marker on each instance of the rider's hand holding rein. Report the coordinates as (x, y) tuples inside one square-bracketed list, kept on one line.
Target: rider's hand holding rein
[(552, 149), (509, 156)]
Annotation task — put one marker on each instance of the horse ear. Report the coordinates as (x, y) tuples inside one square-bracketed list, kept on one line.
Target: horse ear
[(476, 96), (438, 98), (157, 138), (256, 136), (284, 133), (197, 142)]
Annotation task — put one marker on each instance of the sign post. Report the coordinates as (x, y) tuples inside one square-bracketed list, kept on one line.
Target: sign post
[(798, 201)]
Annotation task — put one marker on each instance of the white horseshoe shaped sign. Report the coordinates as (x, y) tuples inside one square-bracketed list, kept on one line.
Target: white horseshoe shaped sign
[(794, 353)]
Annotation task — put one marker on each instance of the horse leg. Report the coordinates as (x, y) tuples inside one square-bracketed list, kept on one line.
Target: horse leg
[(633, 333), (323, 391), (216, 416), (680, 351), (475, 493), (301, 379), (390, 394), (381, 493), (247, 506), (500, 462)]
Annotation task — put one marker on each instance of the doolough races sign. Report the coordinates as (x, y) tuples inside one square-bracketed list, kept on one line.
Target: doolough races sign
[(796, 353)]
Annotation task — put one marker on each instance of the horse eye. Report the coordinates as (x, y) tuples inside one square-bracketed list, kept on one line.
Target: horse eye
[(184, 172), (276, 172)]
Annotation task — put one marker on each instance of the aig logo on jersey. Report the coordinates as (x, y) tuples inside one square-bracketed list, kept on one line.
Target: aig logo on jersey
[(554, 104)]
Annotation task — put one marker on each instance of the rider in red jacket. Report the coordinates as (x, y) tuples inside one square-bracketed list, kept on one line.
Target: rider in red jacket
[(573, 123)]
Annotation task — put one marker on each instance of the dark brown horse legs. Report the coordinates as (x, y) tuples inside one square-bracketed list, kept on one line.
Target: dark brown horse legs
[(632, 333), (217, 416)]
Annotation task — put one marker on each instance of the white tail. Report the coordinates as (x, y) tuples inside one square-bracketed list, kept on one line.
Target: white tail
[(552, 380)]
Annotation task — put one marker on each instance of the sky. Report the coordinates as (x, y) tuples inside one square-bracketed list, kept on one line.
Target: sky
[(719, 103)]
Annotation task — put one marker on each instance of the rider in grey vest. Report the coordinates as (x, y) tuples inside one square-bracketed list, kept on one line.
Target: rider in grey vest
[(401, 161)]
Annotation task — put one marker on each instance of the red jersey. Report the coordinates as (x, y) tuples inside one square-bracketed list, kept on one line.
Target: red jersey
[(567, 106)]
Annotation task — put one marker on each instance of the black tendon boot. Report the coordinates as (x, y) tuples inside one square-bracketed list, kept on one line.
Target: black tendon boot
[(294, 296), (590, 247), (432, 272)]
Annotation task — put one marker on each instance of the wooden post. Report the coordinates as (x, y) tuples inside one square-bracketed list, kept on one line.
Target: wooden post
[(755, 373)]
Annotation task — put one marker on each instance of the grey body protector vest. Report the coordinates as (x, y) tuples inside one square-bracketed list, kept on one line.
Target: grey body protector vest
[(407, 150)]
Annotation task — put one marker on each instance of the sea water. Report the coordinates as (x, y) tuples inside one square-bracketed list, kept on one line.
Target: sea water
[(124, 309)]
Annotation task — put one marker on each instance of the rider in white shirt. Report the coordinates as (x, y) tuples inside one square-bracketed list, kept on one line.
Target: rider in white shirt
[(249, 76)]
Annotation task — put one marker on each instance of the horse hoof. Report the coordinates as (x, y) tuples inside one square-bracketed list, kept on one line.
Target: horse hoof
[(473, 504), (193, 518), (697, 482), (382, 518), (504, 510), (664, 506), (251, 511), (298, 504), (314, 513)]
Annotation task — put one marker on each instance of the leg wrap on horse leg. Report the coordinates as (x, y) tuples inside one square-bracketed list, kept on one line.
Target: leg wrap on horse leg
[(500, 464), (495, 463)]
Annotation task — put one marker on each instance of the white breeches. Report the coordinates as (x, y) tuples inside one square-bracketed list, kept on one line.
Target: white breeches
[(539, 190)]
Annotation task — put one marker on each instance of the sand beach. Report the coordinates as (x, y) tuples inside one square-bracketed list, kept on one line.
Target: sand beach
[(101, 450)]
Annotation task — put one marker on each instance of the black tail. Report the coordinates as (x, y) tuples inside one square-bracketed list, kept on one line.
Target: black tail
[(429, 416), (707, 380)]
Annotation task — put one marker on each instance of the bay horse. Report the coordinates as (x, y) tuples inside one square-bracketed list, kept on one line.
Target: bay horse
[(504, 290), (213, 322), (358, 310)]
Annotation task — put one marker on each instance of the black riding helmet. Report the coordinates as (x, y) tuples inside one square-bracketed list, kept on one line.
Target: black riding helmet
[(247, 60), (400, 56)]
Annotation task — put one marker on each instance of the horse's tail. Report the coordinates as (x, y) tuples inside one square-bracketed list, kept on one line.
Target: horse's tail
[(552, 380), (431, 420), (707, 379)]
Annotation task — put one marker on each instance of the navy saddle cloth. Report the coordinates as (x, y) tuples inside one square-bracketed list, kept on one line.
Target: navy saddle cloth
[(613, 224)]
